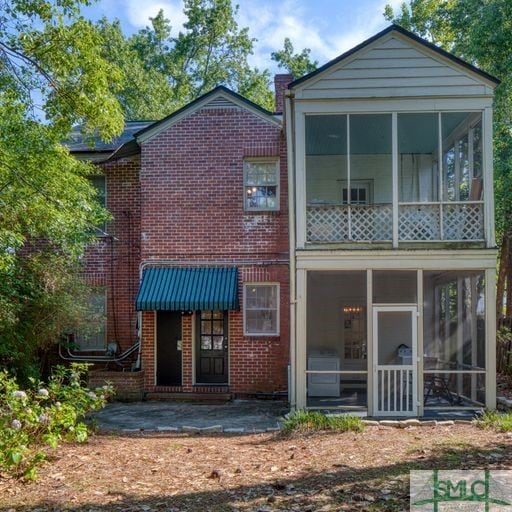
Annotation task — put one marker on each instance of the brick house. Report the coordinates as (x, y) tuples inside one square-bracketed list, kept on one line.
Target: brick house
[(195, 261), (351, 241)]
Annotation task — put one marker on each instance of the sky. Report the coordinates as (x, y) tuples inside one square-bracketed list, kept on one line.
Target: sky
[(327, 27)]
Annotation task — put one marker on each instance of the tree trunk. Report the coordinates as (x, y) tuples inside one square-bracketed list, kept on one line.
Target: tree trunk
[(503, 271)]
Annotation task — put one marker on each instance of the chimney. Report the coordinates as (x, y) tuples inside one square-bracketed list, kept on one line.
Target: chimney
[(280, 84)]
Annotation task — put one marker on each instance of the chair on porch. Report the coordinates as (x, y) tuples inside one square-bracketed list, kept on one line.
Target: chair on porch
[(437, 385)]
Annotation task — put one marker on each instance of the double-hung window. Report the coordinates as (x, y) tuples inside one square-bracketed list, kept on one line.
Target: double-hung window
[(261, 184), (94, 336), (261, 309)]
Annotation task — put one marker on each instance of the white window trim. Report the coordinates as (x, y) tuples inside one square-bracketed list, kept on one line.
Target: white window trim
[(270, 160), (278, 307)]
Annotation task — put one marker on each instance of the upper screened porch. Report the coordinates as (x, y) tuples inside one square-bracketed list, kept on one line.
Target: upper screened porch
[(392, 147), (395, 177)]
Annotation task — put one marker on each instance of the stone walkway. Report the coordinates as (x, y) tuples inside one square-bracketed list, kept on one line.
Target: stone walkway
[(161, 416)]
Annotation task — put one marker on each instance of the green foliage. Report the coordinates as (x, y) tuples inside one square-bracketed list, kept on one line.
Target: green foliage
[(297, 64), (44, 298), (44, 415), (52, 53), (309, 421), (52, 76), (162, 72), (500, 421)]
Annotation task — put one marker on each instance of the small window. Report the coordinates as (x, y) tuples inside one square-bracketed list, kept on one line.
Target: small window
[(95, 336), (261, 184), (261, 309), (99, 183), (360, 192)]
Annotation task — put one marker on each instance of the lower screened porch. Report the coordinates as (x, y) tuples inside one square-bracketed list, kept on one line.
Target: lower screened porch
[(399, 343)]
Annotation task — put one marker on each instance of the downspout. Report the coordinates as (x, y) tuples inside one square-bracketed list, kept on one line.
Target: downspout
[(292, 391)]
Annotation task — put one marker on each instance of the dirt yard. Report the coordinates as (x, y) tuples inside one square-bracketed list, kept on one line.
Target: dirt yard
[(262, 472)]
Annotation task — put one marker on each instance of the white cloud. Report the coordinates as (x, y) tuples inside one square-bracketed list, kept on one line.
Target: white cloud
[(138, 13)]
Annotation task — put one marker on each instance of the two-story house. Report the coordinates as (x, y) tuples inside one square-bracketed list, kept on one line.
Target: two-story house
[(392, 248), (351, 238)]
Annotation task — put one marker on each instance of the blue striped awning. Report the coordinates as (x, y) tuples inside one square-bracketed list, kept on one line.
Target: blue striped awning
[(188, 289)]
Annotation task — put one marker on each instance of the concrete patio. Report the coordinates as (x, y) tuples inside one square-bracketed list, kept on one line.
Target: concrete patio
[(239, 416)]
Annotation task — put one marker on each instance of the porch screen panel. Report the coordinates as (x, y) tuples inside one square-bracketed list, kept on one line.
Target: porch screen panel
[(462, 156), (326, 158), (454, 338), (370, 191), (394, 287), (418, 157), (326, 171), (336, 339)]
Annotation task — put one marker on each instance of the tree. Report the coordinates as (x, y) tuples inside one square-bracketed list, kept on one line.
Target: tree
[(297, 64), (479, 31), (163, 72), (52, 76)]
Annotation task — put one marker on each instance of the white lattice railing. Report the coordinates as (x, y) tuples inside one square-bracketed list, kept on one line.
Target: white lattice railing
[(448, 221), (346, 223)]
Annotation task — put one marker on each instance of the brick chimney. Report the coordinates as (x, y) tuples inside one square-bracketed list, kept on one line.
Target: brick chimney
[(280, 84)]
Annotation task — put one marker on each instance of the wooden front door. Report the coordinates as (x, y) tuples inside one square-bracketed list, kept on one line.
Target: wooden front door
[(212, 347), (168, 348)]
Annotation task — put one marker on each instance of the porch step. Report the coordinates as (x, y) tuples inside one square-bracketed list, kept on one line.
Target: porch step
[(190, 397)]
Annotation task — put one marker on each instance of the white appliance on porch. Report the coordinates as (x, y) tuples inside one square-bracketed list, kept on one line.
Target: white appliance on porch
[(324, 384)]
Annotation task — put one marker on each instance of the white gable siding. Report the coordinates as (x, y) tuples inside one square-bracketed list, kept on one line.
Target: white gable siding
[(393, 68)]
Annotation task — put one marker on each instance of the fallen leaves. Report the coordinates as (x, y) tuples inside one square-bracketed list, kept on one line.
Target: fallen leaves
[(247, 473)]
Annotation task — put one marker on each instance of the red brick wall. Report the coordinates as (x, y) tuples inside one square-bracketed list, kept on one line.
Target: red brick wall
[(192, 189), (128, 386), (280, 84), (183, 202), (192, 204), (114, 261)]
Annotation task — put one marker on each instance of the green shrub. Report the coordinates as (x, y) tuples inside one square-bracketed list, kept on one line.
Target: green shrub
[(500, 421), (44, 415), (308, 421)]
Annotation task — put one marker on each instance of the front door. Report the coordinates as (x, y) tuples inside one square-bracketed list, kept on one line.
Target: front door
[(212, 347), (168, 348), (395, 361)]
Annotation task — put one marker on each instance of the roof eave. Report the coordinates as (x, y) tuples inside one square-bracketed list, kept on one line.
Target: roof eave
[(153, 130), (395, 28)]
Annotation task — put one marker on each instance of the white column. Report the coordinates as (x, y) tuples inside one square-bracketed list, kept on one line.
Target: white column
[(300, 178), (301, 340), (421, 350), (488, 177), (369, 340), (490, 338), (394, 139)]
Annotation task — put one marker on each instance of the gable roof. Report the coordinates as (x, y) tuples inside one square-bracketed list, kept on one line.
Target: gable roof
[(406, 33), (78, 143), (220, 91)]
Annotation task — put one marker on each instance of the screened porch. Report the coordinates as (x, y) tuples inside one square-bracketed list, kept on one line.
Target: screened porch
[(417, 344), (394, 177)]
